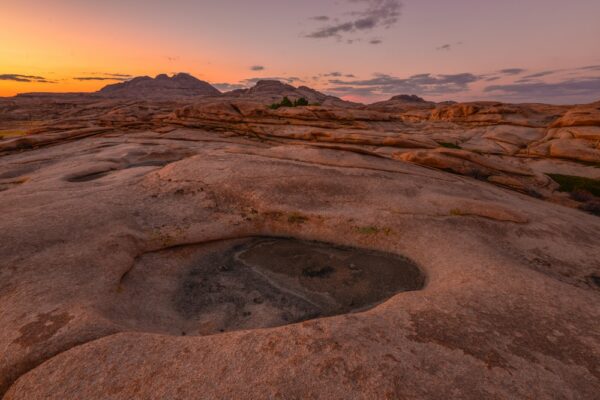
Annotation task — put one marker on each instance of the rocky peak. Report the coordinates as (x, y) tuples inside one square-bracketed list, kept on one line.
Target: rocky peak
[(163, 86), (409, 98)]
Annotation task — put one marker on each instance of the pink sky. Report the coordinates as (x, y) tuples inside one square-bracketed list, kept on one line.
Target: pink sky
[(359, 49)]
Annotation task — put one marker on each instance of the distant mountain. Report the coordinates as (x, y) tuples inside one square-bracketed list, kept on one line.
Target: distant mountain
[(163, 86), (271, 91), (401, 103)]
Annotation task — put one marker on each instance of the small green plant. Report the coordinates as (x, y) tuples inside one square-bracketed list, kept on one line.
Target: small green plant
[(449, 145), (456, 212), (570, 183)]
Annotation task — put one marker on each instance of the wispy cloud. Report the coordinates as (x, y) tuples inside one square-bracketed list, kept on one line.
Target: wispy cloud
[(581, 87), (115, 77), (447, 46), (24, 78), (590, 68), (118, 75), (257, 68), (539, 74), (512, 71), (375, 41), (376, 14), (383, 84)]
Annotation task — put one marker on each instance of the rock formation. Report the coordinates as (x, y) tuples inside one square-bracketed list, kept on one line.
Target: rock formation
[(271, 91), (211, 246), (163, 86)]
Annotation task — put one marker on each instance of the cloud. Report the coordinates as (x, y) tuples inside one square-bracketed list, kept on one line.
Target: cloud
[(334, 74), (512, 71), (257, 68), (114, 77), (376, 41), (590, 68), (538, 75), (585, 88), (377, 14), (444, 47), (24, 78), (321, 18), (383, 84)]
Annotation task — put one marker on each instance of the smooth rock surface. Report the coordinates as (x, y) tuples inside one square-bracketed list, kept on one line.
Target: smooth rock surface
[(108, 205)]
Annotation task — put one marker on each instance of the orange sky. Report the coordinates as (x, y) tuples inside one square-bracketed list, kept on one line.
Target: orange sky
[(61, 40)]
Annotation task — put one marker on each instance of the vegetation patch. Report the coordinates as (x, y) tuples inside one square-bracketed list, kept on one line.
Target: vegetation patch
[(286, 102), (570, 183)]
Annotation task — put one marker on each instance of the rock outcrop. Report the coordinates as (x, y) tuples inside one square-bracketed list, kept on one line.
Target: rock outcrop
[(161, 87), (272, 91), (215, 247)]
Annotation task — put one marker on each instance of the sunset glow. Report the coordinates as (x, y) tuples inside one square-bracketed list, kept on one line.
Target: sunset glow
[(67, 45)]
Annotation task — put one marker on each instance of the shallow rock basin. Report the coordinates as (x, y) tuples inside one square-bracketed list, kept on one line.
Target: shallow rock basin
[(255, 283)]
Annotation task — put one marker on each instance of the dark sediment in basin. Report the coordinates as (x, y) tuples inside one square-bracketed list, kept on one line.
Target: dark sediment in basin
[(255, 283)]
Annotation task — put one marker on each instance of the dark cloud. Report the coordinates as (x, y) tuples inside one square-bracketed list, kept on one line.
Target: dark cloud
[(378, 13), (512, 71), (24, 78), (538, 75), (101, 78), (590, 68), (583, 88), (334, 74), (444, 47), (384, 84), (257, 68), (118, 75), (321, 18), (376, 41)]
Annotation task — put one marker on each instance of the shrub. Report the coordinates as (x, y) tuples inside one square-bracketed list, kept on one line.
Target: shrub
[(569, 183), (286, 102), (300, 102)]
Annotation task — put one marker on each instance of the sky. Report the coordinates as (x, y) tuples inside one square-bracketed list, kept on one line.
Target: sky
[(361, 50)]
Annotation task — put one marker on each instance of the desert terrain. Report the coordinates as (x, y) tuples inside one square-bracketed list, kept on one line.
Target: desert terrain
[(163, 240)]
